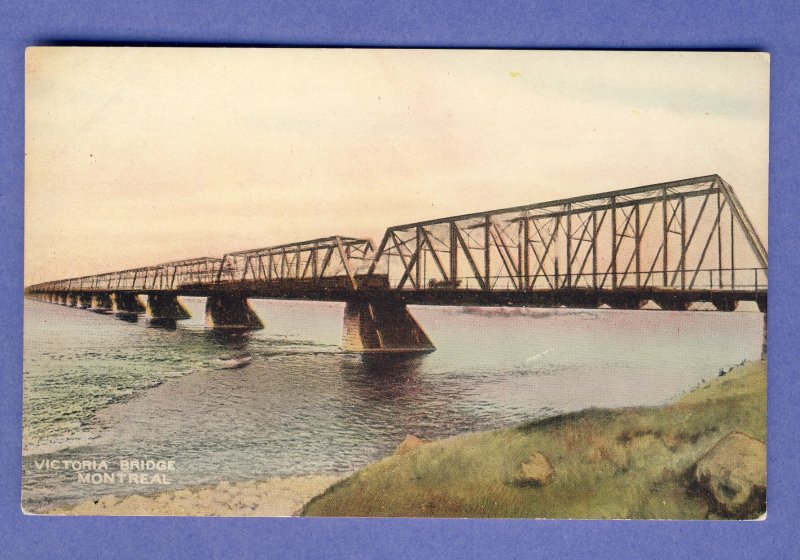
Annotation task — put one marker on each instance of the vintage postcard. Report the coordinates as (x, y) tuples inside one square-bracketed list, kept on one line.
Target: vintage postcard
[(425, 283)]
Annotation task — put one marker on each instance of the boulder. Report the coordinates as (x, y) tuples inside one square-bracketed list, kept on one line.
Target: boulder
[(536, 470), (409, 444), (734, 472)]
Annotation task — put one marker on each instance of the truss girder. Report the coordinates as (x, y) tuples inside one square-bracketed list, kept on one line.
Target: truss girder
[(166, 276), (306, 261), (683, 235)]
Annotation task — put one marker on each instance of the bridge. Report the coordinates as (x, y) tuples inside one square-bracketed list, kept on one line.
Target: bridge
[(673, 244)]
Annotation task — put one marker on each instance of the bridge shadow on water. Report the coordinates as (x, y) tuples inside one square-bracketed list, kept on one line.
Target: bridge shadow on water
[(385, 377), (128, 317), (226, 340), (165, 324), (229, 338)]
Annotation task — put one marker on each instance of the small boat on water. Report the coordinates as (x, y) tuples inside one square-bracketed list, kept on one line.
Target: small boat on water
[(233, 363)]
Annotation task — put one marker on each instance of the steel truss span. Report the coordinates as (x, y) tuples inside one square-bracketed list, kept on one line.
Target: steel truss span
[(157, 278), (682, 236), (307, 262), (672, 243)]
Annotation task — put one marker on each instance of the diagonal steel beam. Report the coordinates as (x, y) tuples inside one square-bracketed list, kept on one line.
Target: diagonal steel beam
[(750, 233), (470, 260)]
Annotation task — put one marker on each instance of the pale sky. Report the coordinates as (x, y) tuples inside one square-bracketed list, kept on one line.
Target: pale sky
[(136, 156)]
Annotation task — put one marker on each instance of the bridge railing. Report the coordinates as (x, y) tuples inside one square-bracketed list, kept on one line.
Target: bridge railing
[(744, 280), (309, 262), (669, 235)]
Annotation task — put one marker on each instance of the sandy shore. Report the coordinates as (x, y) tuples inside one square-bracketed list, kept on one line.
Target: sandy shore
[(273, 497)]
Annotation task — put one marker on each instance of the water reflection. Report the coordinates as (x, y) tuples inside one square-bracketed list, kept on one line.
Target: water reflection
[(380, 364), (128, 317), (228, 339), (385, 377), (166, 324)]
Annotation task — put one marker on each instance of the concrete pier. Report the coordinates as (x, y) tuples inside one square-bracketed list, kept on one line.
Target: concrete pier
[(102, 303), (722, 303), (672, 303), (621, 300), (382, 328), (166, 306), (231, 312), (127, 303)]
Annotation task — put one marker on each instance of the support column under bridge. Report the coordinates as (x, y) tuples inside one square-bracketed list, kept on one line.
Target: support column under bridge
[(231, 312), (101, 302), (166, 306), (128, 303), (382, 328)]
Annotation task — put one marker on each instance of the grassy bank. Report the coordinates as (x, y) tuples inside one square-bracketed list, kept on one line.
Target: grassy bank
[(622, 463)]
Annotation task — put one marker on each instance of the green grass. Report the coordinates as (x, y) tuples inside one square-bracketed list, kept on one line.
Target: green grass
[(623, 463)]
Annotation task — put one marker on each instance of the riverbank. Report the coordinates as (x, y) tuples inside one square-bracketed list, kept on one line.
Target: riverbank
[(275, 497), (606, 464), (594, 464)]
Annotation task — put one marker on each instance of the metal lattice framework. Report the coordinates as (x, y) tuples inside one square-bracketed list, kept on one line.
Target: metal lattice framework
[(306, 261), (689, 239), (161, 277), (682, 235)]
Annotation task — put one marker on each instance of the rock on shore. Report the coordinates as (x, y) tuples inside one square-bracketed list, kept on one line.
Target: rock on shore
[(273, 497), (409, 444), (734, 471), (536, 470)]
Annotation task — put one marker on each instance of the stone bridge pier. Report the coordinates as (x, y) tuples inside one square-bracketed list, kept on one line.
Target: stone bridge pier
[(128, 304), (378, 328), (102, 303), (230, 311), (166, 306)]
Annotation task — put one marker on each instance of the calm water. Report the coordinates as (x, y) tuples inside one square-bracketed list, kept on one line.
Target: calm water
[(97, 387)]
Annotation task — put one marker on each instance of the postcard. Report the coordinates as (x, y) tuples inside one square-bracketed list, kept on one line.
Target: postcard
[(395, 283)]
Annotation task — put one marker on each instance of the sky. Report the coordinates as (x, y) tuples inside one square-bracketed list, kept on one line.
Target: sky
[(137, 156)]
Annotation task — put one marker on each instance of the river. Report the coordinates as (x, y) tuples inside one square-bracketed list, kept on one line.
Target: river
[(97, 387)]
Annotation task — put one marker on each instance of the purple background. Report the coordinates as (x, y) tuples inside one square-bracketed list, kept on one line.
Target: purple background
[(747, 25)]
